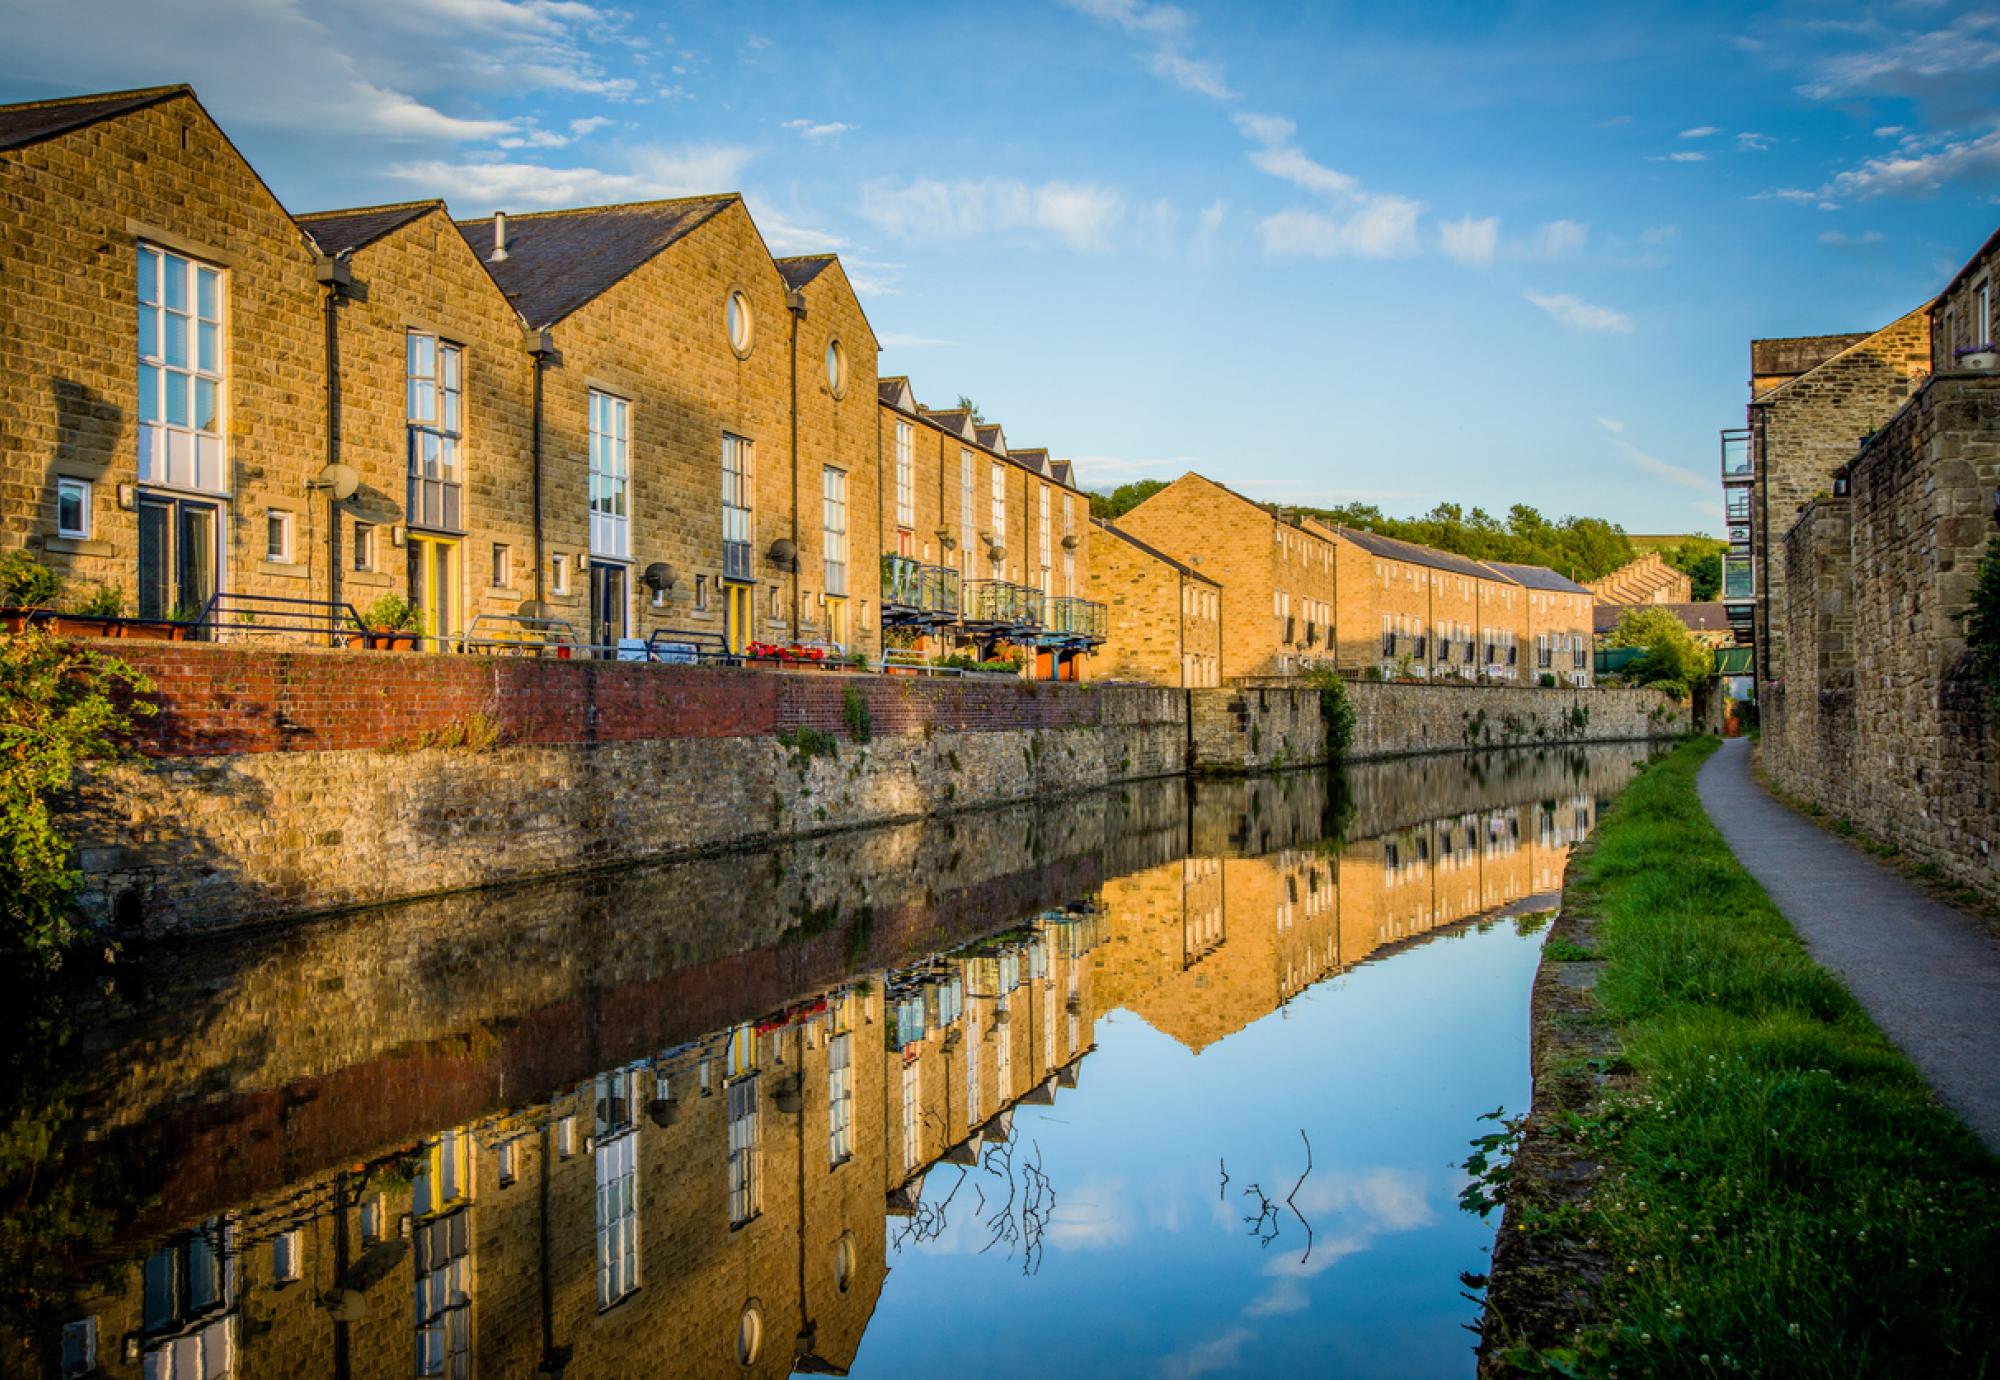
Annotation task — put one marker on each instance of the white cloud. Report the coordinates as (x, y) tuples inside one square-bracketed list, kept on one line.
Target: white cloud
[(1749, 141), (1906, 174), (1303, 171), (1839, 240), (1686, 156), (1468, 241), (589, 125), (487, 183), (807, 129), (1579, 314), (1265, 129), (1163, 32), (1659, 234), (1219, 1353), (534, 139), (1798, 194), (1081, 215), (786, 236), (1561, 238), (1212, 216), (1700, 132), (1888, 131), (1953, 71), (1384, 227), (1612, 425), (1653, 465)]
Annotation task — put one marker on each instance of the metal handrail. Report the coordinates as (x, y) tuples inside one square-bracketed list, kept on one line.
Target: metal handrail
[(256, 615), (516, 634)]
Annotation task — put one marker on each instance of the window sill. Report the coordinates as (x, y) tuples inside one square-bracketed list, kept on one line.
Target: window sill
[(367, 579), (76, 546), (286, 570)]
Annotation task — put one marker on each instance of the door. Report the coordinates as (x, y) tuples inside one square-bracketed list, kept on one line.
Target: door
[(607, 603), (434, 587), (736, 616), (179, 556)]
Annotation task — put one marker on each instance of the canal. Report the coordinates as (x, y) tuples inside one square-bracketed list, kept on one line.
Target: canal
[(1169, 1080)]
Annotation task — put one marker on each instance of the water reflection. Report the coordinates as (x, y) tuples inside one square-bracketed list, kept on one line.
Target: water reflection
[(683, 1120)]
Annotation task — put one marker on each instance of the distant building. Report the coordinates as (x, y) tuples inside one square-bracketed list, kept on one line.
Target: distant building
[(1648, 580), (1558, 622), (1403, 606), (1707, 623)]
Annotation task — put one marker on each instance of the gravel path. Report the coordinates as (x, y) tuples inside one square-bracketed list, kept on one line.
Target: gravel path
[(1929, 975)]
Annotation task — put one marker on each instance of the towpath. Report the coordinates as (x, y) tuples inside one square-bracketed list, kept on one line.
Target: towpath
[(1928, 974)]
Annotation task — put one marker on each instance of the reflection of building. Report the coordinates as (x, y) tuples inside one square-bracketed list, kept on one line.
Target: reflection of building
[(718, 1207)]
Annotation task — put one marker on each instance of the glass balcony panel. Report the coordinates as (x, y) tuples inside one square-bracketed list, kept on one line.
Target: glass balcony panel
[(1735, 454), (1738, 578)]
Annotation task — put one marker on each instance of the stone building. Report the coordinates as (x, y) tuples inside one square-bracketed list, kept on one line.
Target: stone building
[(1966, 316), (1648, 580), (1812, 401), (1277, 578), (1557, 623), (1707, 623), (1405, 607), (984, 547), (1163, 617)]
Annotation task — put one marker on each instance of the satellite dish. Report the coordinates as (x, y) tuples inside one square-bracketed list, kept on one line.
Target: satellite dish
[(783, 552), (342, 480), (658, 576)]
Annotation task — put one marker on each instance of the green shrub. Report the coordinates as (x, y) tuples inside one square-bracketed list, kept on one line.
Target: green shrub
[(1336, 710), (809, 743), (1548, 680), (60, 706), (390, 613), (854, 709), (25, 583), (106, 601), (1982, 623)]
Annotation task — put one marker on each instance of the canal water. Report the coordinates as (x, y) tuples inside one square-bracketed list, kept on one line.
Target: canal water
[(1166, 1081)]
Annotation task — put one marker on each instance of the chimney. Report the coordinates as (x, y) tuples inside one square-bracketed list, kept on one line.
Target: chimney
[(499, 253)]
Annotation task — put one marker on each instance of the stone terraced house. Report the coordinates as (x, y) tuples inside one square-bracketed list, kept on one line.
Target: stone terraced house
[(1163, 617)]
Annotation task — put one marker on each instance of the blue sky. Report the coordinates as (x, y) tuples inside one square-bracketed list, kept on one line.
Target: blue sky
[(1474, 253)]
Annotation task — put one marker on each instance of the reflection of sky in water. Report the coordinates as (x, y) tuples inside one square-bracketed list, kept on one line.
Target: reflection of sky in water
[(1147, 1271)]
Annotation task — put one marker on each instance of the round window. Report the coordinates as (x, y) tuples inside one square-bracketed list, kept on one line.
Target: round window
[(843, 1262), (836, 368), (749, 1335), (739, 322)]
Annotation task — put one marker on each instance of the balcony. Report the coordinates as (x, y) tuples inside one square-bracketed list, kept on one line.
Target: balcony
[(1073, 620), (1736, 456), (1739, 578), (1001, 604), (913, 592)]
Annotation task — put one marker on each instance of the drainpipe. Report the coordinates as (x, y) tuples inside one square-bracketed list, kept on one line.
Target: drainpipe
[(337, 276), (542, 352), (795, 303)]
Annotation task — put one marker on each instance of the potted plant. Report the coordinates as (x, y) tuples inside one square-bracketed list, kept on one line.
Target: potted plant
[(389, 624), (97, 614), (1985, 356), (26, 587)]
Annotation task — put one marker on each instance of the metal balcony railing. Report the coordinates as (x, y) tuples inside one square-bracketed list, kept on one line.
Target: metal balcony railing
[(1075, 619), (1736, 455), (1002, 604), (913, 592)]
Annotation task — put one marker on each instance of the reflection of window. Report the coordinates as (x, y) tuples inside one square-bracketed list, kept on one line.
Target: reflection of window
[(913, 1091), (745, 1189), (972, 1066), (287, 1248), (79, 1348), (840, 1098), (187, 1293), (617, 1217), (444, 1296), (445, 1180)]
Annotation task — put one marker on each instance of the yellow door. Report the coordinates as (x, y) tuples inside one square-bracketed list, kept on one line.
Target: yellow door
[(736, 616), (434, 588), (836, 623)]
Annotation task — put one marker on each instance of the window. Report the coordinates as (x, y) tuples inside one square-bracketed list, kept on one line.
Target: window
[(965, 514), (286, 1248), (610, 476), (913, 1090), (1047, 547), (278, 536), (364, 546), (444, 1296), (507, 1161), (617, 1216), (1388, 636), (436, 462), (79, 1348), (840, 1098), (836, 369), (736, 515), (972, 1042), (833, 495), (73, 507), (180, 373), (566, 1137), (741, 326), (503, 566), (701, 593), (906, 476), (371, 1219), (745, 1188), (559, 573), (999, 516), (445, 1179), (749, 1335)]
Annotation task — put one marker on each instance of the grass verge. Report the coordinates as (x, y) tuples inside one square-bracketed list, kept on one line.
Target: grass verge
[(1773, 1188)]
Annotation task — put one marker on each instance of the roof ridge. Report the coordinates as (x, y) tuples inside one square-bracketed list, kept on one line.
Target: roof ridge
[(1839, 354), (171, 89), (364, 210), (608, 206), (802, 258)]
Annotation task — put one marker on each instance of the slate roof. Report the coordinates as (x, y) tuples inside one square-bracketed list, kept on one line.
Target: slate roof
[(989, 436), (558, 261), (1537, 577), (1414, 553), (950, 418), (1063, 472), (803, 268), (33, 121), (1696, 617), (1154, 552), (343, 232)]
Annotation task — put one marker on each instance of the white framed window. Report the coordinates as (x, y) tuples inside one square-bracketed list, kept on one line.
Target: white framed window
[(836, 369), (906, 476), (999, 505), (745, 1184), (913, 1094), (740, 322), (278, 536), (566, 1137), (503, 565), (364, 546), (73, 507), (610, 476), (507, 1163), (965, 541), (833, 541), (840, 1098), (617, 1217), (181, 372), (701, 593), (1048, 545), (436, 421), (736, 506), (559, 572)]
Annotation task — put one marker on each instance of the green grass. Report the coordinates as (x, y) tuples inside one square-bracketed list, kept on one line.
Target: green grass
[(1785, 1196)]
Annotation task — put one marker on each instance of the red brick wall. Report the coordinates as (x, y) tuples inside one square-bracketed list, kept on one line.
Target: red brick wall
[(217, 700)]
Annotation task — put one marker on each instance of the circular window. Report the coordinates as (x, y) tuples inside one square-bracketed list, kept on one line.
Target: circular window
[(836, 368), (740, 323), (843, 1262), (749, 1335)]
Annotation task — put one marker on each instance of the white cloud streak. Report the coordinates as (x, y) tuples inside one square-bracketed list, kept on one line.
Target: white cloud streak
[(1081, 215), (658, 172), (1700, 132), (1580, 315), (1468, 241), (819, 132)]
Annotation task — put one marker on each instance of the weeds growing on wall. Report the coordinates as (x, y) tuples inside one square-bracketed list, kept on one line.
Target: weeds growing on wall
[(1982, 623), (1336, 710), (60, 706), (854, 709)]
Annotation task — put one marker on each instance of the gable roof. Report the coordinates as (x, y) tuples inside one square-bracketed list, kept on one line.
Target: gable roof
[(1412, 553), (803, 268), (343, 232), (1154, 552), (1775, 391), (990, 436), (560, 261), (1063, 472), (1034, 457), (953, 419), (1536, 577), (32, 121), (895, 391)]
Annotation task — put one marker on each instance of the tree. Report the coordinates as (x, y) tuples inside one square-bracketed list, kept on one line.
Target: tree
[(1672, 654), (1700, 559), (971, 409), (1124, 498)]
